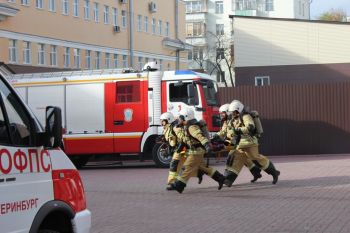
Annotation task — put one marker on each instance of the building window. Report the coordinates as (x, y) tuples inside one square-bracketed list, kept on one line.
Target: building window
[(86, 9), (88, 59), (96, 12), (13, 51), (193, 6), (146, 23), (27, 52), (125, 61), (128, 91), (220, 77), (242, 5), (160, 25), (219, 7), (77, 58), (75, 8), (220, 30), (139, 23), (160, 64), (115, 60), (190, 55), (124, 19), (108, 61), (197, 53), (65, 7), (115, 16), (106, 15), (220, 53), (52, 5), (66, 57), (41, 54), (140, 59), (39, 4), (269, 5), (25, 2), (11, 1), (53, 55), (194, 29), (153, 26), (167, 29), (98, 60), (262, 80)]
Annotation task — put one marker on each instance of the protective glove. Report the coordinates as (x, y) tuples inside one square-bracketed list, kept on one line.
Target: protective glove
[(179, 147), (237, 131)]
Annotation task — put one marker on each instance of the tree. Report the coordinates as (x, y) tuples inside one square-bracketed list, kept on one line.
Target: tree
[(333, 15)]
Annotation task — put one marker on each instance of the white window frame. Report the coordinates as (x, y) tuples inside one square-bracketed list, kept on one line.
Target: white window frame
[(124, 22), (125, 61), (27, 52), (140, 62), (220, 29), (107, 60), (160, 27), (265, 80), (52, 5), (87, 9), (39, 4), (219, 7), (88, 59), (115, 60), (66, 57), (115, 16), (139, 23), (77, 63), (269, 5), (11, 1), (41, 54), (25, 2), (106, 14), (53, 55), (13, 51), (145, 23), (65, 7), (96, 17), (76, 8), (167, 29), (160, 64), (154, 26), (97, 60)]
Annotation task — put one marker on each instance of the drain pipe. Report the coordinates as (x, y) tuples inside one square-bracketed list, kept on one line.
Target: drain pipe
[(131, 28), (177, 65)]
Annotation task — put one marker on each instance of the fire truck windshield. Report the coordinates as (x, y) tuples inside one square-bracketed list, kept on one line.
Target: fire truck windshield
[(210, 92)]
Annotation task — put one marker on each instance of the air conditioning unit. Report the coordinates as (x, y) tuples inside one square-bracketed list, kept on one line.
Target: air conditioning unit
[(116, 28), (152, 7), (123, 1)]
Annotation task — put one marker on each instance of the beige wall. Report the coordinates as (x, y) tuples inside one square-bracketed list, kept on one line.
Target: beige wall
[(54, 28), (263, 42)]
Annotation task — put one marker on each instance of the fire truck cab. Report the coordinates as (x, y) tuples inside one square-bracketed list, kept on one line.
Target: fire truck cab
[(116, 112)]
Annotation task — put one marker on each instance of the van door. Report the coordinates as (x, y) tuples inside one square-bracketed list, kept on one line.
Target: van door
[(25, 170), (129, 114)]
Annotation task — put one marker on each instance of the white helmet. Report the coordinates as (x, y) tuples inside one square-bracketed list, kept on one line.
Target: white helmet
[(167, 116), (151, 66), (236, 105), (224, 108), (187, 113)]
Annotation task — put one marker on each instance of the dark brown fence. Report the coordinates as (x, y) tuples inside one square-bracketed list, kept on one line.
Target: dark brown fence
[(299, 119)]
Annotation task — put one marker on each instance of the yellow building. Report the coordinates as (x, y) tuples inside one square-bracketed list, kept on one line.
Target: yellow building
[(44, 35)]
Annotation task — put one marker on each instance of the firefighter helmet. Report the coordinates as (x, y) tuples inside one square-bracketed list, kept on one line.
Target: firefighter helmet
[(151, 66), (167, 116), (236, 105), (187, 114), (224, 108)]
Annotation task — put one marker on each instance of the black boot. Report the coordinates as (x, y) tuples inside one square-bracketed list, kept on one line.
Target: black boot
[(256, 173), (171, 187), (179, 186), (200, 174), (230, 178), (218, 177), (271, 170)]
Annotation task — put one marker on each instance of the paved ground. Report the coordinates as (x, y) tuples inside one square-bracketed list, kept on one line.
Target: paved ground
[(313, 195)]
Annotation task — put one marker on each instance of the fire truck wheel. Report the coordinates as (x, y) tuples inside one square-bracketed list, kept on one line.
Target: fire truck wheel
[(47, 231), (80, 160), (160, 155)]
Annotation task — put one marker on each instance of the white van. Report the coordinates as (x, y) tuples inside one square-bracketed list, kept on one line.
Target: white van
[(40, 189)]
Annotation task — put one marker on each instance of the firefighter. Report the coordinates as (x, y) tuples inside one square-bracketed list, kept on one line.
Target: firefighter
[(197, 145), (233, 163), (244, 128), (178, 158)]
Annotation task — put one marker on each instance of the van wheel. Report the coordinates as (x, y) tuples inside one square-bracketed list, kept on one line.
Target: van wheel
[(47, 231), (79, 160), (160, 155)]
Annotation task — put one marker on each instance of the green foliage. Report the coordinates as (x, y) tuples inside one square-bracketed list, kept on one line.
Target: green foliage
[(333, 15)]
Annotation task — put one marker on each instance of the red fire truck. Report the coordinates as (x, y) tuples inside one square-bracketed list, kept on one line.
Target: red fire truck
[(113, 112)]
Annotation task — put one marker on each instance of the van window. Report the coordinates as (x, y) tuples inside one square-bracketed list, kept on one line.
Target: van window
[(128, 92), (18, 119), (178, 93), (4, 136)]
